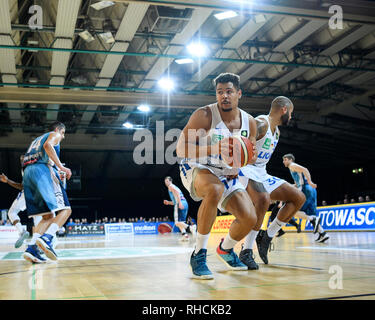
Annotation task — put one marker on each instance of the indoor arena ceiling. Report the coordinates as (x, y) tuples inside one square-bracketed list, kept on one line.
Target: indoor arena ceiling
[(91, 67)]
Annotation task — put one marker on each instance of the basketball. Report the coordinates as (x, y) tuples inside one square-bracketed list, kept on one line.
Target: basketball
[(164, 228), (242, 151)]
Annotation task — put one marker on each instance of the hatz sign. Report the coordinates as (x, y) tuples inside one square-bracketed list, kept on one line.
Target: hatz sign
[(360, 216), (83, 229)]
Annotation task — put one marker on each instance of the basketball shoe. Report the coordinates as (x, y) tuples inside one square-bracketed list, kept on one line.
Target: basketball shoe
[(199, 266), (45, 242), (32, 254), (230, 258)]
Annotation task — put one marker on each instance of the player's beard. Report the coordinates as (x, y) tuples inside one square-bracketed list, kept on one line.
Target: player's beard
[(224, 109), (285, 119)]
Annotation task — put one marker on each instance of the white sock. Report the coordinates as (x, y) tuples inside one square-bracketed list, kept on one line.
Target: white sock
[(201, 242), (320, 229), (250, 239), (228, 243), (274, 227), (52, 229), (310, 218), (19, 227), (33, 239)]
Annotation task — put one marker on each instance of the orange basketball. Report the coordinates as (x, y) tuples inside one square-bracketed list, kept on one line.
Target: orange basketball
[(164, 228), (242, 152)]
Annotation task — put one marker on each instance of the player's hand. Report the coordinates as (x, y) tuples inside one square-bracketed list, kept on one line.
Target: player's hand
[(255, 155), (3, 178), (166, 202), (181, 206), (67, 171), (226, 150), (231, 177), (313, 185)]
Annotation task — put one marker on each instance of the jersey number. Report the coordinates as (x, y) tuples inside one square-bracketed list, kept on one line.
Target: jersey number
[(35, 145)]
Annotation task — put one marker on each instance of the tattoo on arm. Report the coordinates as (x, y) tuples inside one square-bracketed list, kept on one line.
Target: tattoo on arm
[(261, 129)]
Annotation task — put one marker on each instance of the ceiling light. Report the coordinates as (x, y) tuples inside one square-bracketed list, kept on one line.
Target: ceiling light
[(102, 4), (107, 37), (127, 125), (80, 79), (184, 61), (85, 35), (144, 108), (197, 49), (166, 84), (259, 18), (225, 15)]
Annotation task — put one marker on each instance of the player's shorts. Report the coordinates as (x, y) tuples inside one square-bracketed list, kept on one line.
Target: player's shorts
[(181, 214), (309, 207), (18, 204), (269, 182), (43, 190), (188, 172)]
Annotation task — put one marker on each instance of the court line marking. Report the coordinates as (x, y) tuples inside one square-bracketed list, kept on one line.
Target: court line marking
[(147, 252), (343, 297), (337, 249)]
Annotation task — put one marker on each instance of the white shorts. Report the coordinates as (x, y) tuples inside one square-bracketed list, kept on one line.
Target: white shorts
[(254, 173), (188, 173), (18, 205)]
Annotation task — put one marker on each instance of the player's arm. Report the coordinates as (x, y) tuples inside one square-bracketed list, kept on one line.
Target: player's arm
[(262, 127), (252, 137), (54, 139), (168, 203), (298, 168), (17, 185), (176, 196), (196, 129)]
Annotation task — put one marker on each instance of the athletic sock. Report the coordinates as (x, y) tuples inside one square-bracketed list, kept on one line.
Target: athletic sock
[(201, 242), (250, 239), (19, 227), (228, 243), (33, 239), (274, 227), (52, 229)]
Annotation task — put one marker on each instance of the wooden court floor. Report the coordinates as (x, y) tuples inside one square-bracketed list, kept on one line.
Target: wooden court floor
[(156, 267)]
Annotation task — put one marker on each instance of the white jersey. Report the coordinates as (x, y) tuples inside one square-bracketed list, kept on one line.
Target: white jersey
[(217, 132), (267, 145)]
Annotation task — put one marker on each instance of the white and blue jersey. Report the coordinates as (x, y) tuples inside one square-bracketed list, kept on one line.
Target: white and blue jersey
[(179, 214), (43, 189), (309, 207)]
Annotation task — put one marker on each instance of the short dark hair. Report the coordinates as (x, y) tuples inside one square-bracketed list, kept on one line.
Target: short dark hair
[(56, 124), (289, 156), (280, 102), (228, 77), (169, 178)]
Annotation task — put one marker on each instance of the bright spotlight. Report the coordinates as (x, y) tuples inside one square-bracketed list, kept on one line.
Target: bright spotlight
[(197, 49), (226, 15), (128, 125), (144, 108), (166, 84)]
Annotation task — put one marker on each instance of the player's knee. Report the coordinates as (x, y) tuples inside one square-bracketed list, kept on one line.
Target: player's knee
[(47, 216), (215, 191), (13, 216), (300, 199), (263, 202)]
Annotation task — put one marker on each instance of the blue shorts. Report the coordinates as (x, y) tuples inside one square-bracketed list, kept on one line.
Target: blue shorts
[(309, 207), (44, 193), (181, 214)]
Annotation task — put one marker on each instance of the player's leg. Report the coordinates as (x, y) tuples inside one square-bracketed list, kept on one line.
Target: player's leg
[(261, 200), (17, 206), (209, 188), (293, 200), (239, 204), (180, 218)]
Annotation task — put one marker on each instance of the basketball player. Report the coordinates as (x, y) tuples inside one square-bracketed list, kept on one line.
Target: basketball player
[(274, 211), (302, 180), (44, 192), (17, 206), (263, 187), (180, 208), (205, 147)]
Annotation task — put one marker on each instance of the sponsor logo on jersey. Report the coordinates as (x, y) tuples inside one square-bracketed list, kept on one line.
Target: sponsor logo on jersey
[(264, 155), (267, 144), (244, 133), (216, 138)]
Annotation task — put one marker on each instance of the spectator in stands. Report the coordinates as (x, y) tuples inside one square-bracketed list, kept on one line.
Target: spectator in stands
[(367, 199), (338, 202), (324, 203), (346, 201), (70, 223), (360, 199), (352, 200)]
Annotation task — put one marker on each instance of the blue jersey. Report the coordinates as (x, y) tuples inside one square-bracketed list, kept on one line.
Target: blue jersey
[(171, 195), (36, 152), (298, 178)]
